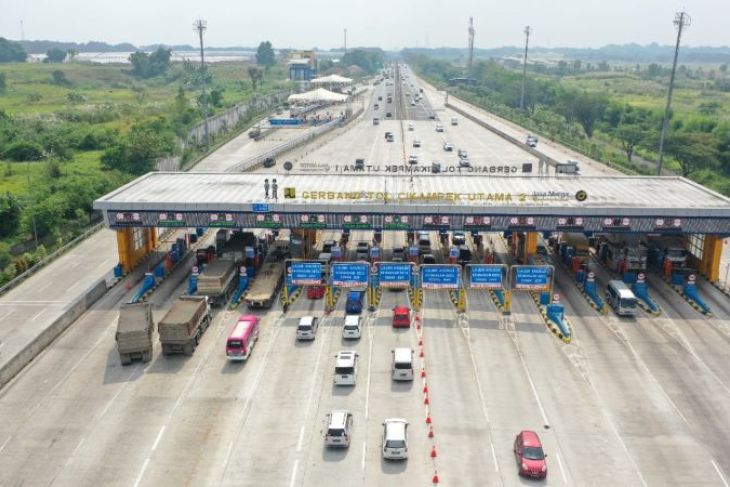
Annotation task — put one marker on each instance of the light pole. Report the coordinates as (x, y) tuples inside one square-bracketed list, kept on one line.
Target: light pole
[(524, 68), (200, 25), (681, 20)]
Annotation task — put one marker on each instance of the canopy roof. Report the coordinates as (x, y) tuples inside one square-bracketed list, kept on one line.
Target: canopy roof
[(332, 78), (320, 94)]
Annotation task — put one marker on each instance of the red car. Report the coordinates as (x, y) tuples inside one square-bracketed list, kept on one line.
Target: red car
[(529, 455), (315, 292), (401, 317)]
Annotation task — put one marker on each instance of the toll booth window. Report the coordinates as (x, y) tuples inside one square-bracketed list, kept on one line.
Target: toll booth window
[(138, 237), (696, 244)]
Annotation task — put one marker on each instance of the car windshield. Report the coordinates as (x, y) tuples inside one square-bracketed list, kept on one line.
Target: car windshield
[(403, 365), (628, 303), (344, 370), (395, 444), (234, 344), (533, 453), (335, 432), (304, 327)]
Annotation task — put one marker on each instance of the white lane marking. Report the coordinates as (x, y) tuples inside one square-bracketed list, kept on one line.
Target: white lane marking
[(294, 473), (37, 314), (364, 452), (532, 386), (159, 437), (717, 469), (370, 374), (111, 401), (301, 439), (2, 447), (494, 457), (141, 472), (6, 314), (562, 470), (74, 452)]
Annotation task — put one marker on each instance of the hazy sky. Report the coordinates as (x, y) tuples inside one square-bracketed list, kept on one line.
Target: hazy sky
[(385, 23)]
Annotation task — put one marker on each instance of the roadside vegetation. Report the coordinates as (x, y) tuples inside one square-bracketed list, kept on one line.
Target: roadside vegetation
[(70, 132), (612, 113)]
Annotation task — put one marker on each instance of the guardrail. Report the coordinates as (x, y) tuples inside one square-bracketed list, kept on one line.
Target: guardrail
[(48, 259)]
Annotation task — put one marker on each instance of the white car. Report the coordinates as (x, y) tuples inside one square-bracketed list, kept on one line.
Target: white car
[(413, 103), (353, 327), (395, 439), (439, 127), (464, 162), (412, 159), (410, 126), (339, 426), (448, 146), (416, 142), (345, 368), (307, 328)]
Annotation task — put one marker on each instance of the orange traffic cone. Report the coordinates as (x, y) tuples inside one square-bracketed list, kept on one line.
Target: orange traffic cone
[(425, 389), (433, 452), (420, 342), (435, 479), (421, 354), (425, 399), (423, 372), (430, 431), (428, 419)]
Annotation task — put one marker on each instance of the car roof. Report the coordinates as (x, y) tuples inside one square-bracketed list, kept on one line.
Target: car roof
[(345, 358), (352, 319), (338, 417), (306, 320), (396, 428), (530, 438), (401, 309), (403, 354)]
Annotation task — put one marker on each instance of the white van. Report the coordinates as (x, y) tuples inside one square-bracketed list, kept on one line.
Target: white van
[(353, 327), (346, 368), (307, 328), (454, 121), (621, 298), (395, 439), (402, 366), (339, 426)]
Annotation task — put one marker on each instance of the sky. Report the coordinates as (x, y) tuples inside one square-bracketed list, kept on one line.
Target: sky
[(389, 24)]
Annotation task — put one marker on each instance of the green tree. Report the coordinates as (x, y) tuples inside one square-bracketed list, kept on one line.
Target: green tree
[(9, 216), (265, 55), (48, 214), (59, 78), (630, 135), (55, 55), (11, 52), (181, 101), (149, 65), (369, 60), (257, 75), (23, 150), (587, 108), (693, 151), (3, 83), (137, 152)]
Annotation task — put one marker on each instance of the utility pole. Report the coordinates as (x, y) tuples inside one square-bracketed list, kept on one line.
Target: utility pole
[(524, 68), (200, 25), (471, 47), (345, 40), (681, 20)]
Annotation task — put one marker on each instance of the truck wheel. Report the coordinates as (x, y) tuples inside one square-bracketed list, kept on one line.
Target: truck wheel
[(165, 350), (189, 348), (126, 359), (147, 356)]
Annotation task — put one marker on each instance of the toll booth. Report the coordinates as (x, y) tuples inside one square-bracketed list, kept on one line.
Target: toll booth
[(134, 244)]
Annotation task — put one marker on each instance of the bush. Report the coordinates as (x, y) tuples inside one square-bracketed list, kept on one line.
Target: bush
[(24, 151)]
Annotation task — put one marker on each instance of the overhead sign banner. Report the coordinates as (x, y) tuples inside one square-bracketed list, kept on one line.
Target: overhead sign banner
[(440, 276), (350, 274), (487, 276), (306, 273), (532, 278), (394, 274)]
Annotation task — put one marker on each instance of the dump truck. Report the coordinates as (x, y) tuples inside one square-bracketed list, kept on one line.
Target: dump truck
[(134, 332), (217, 281), (182, 327), (265, 286)]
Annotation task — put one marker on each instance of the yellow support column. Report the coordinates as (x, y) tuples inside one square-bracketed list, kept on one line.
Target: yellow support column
[(124, 245), (530, 245), (711, 256), (461, 303), (329, 299), (508, 301), (152, 238)]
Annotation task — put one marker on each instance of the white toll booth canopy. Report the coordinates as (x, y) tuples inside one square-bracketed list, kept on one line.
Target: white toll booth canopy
[(318, 95)]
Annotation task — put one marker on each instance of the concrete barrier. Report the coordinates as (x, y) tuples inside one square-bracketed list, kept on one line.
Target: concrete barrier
[(520, 143), (69, 315)]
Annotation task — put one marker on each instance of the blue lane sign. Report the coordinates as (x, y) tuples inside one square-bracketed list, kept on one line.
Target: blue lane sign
[(533, 278), (306, 273), (440, 276), (260, 207), (394, 274), (486, 276), (350, 274)]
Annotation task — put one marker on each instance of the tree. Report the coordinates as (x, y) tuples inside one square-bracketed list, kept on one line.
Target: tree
[(137, 152), (23, 150), (257, 75), (59, 78), (9, 215), (72, 53), (3, 83), (55, 55), (11, 52), (587, 108), (149, 65), (630, 136), (265, 54), (693, 151)]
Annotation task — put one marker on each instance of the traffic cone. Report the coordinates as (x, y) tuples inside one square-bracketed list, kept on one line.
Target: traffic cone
[(435, 479), (425, 389), (421, 354), (428, 419), (420, 342), (425, 399), (418, 326), (423, 372), (418, 318), (430, 431), (433, 452)]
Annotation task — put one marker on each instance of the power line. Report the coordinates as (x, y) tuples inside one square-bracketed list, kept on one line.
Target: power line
[(200, 25), (524, 68), (681, 20)]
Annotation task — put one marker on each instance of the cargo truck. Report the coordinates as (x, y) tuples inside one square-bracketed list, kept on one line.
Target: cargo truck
[(134, 332), (262, 292), (182, 327), (217, 281)]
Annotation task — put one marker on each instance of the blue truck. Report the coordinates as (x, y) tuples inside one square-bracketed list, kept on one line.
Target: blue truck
[(354, 302)]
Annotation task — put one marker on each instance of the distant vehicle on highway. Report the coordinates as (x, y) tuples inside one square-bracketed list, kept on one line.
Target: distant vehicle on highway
[(376, 121), (363, 250), (529, 455), (413, 103), (376, 106), (269, 162), (448, 146), (339, 424), (439, 127), (307, 328), (395, 439), (359, 164), (531, 140), (435, 167), (454, 121), (458, 238), (388, 115), (410, 126), (315, 292), (353, 327), (416, 142), (401, 317), (464, 162), (345, 368), (402, 366), (462, 153), (398, 254), (428, 259), (389, 137), (242, 338), (412, 159)]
